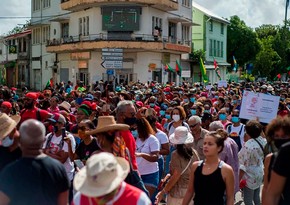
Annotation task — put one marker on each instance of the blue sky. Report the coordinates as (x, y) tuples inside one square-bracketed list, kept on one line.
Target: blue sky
[(253, 12)]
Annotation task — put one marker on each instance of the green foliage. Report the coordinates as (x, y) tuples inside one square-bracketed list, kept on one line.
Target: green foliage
[(242, 41), (247, 77), (196, 55)]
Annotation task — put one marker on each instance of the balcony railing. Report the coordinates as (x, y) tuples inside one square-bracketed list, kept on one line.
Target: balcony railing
[(121, 37)]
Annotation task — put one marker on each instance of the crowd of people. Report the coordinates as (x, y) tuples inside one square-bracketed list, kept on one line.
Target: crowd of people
[(143, 143)]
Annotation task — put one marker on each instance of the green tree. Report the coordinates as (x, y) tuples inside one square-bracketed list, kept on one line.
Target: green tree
[(242, 42), (267, 59)]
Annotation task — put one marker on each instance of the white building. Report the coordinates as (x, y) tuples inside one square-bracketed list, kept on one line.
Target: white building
[(121, 34), (48, 22), (210, 36)]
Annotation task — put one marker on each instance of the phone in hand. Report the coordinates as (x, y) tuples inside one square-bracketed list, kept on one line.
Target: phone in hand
[(63, 133)]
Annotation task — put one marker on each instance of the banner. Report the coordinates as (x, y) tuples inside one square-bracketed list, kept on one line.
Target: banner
[(258, 105)]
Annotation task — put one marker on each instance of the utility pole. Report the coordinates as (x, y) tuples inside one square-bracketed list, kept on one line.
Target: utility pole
[(286, 8)]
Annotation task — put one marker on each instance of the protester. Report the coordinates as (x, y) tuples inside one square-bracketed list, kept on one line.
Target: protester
[(211, 172), (101, 181), (37, 178), (180, 167), (251, 158)]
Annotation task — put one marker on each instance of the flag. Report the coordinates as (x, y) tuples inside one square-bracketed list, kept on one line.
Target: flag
[(168, 68), (278, 77), (49, 83), (178, 68), (217, 70), (235, 68), (203, 71)]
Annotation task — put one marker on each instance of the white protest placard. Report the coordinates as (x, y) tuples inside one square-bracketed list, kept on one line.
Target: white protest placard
[(259, 105), (222, 83), (208, 87)]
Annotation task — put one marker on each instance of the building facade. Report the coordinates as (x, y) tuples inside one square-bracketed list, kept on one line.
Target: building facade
[(123, 41), (46, 24), (211, 37), (15, 63)]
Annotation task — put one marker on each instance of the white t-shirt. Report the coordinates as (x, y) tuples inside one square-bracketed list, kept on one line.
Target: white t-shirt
[(151, 144), (55, 147), (162, 138)]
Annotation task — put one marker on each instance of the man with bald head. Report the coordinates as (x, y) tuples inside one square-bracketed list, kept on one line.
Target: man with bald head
[(35, 178)]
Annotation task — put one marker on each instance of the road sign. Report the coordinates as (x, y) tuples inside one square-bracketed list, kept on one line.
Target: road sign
[(112, 54), (110, 72), (116, 50), (112, 64), (112, 58)]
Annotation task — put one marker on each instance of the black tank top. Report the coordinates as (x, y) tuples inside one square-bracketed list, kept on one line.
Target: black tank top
[(209, 189)]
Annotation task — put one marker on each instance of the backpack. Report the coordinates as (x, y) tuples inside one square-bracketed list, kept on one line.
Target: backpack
[(49, 138), (236, 139)]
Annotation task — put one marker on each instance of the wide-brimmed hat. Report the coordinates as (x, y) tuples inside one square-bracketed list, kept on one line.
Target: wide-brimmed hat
[(65, 105), (181, 135), (107, 123), (7, 124), (102, 174)]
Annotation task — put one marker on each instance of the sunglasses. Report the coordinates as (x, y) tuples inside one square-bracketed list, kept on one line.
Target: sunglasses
[(192, 126)]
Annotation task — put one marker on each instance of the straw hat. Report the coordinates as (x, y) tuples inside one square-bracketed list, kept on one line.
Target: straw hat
[(102, 174), (65, 105), (7, 124), (107, 123), (181, 136)]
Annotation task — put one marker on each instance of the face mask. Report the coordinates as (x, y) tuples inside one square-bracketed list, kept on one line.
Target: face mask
[(227, 109), (180, 92), (152, 105), (167, 116), (137, 98), (166, 93), (234, 102), (222, 116), (135, 133), (55, 129), (279, 142), (216, 97), (176, 118), (130, 120), (185, 100), (162, 112), (7, 142), (193, 112), (235, 119), (206, 111), (192, 100), (282, 99), (73, 109)]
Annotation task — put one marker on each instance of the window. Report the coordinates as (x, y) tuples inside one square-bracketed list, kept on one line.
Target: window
[(64, 30), (222, 28), (84, 28), (214, 47), (45, 33), (36, 5), (186, 3), (46, 3), (156, 21), (222, 49), (185, 34), (36, 36), (218, 49), (210, 25), (210, 47)]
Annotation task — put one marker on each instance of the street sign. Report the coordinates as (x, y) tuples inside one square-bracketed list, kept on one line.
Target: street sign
[(112, 58), (110, 72), (116, 50), (112, 64), (112, 54)]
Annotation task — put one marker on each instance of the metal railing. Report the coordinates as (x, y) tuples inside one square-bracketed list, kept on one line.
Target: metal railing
[(117, 37)]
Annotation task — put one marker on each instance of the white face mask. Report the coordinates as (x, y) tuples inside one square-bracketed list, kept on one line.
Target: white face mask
[(73, 109), (7, 142), (176, 118)]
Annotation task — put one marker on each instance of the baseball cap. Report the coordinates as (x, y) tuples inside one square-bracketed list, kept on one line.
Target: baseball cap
[(57, 118)]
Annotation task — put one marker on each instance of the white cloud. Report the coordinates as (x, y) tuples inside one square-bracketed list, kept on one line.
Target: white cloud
[(253, 12), (13, 8)]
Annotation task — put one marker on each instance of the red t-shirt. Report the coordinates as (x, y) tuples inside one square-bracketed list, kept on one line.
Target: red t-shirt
[(131, 145), (32, 114), (126, 195)]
